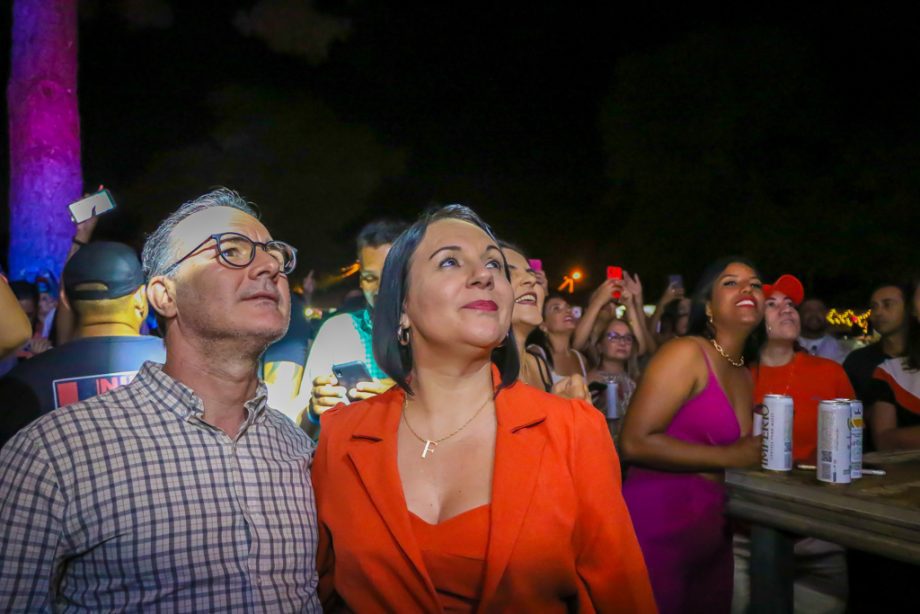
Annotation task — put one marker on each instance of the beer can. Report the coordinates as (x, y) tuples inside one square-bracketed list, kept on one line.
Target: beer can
[(834, 442), (777, 411), (613, 401), (758, 420), (857, 422)]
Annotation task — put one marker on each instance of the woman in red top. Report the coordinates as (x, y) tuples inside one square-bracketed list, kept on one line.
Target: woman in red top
[(461, 489), (782, 367)]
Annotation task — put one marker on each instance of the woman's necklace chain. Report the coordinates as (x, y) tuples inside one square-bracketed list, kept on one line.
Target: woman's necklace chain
[(431, 444), (725, 355)]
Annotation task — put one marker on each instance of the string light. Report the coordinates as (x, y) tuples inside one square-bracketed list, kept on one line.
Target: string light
[(849, 318)]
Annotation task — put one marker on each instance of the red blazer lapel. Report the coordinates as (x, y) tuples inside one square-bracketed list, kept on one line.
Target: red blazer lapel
[(372, 450), (518, 452)]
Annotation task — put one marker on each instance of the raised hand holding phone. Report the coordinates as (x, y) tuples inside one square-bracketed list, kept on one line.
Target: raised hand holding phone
[(615, 273), (91, 206)]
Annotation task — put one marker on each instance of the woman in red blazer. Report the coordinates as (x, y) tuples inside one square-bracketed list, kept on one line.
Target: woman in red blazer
[(462, 490)]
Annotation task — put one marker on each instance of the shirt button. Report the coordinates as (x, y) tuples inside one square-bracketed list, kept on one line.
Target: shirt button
[(259, 580)]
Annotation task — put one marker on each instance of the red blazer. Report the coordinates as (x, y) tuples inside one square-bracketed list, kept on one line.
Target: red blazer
[(561, 537)]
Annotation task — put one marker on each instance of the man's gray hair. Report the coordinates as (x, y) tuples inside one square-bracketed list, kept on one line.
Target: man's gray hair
[(158, 255)]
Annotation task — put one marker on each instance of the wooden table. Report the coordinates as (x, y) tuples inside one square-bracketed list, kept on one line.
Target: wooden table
[(878, 514)]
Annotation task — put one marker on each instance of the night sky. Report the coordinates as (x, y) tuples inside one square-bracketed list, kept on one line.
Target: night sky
[(654, 138)]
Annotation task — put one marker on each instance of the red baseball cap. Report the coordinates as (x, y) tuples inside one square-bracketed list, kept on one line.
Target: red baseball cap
[(788, 285)]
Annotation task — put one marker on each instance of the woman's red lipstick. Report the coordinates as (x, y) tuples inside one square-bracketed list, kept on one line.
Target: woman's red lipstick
[(482, 305)]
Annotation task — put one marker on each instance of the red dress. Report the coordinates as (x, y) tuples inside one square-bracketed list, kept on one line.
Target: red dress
[(454, 552)]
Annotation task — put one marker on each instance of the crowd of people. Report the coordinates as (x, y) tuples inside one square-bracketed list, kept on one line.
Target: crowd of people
[(171, 461)]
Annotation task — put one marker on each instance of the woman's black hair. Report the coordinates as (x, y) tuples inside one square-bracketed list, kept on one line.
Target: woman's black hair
[(698, 323), (912, 360), (394, 358)]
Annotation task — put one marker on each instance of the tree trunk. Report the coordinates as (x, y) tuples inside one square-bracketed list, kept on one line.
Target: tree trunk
[(45, 172)]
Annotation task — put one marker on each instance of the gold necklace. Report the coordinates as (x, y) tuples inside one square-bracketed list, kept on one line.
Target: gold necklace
[(734, 363), (431, 444)]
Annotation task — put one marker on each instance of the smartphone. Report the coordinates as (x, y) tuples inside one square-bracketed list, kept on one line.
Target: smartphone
[(91, 206), (536, 264), (677, 281), (615, 272), (597, 387), (349, 374)]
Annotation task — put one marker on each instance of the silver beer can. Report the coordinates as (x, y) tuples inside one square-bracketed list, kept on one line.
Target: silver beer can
[(777, 412), (857, 422), (613, 401), (834, 442)]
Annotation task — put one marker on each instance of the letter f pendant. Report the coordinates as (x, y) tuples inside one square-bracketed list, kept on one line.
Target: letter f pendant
[(429, 448)]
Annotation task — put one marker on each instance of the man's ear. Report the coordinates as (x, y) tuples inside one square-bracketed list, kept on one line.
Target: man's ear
[(161, 294)]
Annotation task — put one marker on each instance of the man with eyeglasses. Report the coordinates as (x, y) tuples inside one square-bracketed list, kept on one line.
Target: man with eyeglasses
[(181, 491)]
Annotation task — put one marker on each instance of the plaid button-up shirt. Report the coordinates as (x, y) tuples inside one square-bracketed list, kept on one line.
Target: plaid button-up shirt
[(130, 501)]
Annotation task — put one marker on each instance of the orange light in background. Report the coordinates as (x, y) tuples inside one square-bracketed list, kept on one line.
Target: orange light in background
[(568, 281), (345, 272), (351, 269)]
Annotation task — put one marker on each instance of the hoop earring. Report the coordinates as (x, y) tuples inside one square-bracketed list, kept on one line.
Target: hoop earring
[(402, 335), (504, 341)]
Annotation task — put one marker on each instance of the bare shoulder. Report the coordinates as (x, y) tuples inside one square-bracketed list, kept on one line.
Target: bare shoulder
[(681, 354)]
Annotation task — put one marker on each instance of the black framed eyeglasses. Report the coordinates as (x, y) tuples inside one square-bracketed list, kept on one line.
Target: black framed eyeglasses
[(238, 251)]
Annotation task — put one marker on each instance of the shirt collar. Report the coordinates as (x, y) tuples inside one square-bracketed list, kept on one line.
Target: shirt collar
[(182, 400), (365, 321)]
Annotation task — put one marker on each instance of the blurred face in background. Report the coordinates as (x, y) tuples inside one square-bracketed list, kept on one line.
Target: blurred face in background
[(813, 313), (371, 260), (683, 317), (558, 316), (46, 304), (617, 341), (888, 310)]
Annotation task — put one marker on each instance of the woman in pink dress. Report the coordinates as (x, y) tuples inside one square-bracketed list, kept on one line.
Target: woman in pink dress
[(690, 419)]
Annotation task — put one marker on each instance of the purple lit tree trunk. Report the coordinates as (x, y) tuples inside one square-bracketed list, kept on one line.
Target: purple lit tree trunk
[(45, 173)]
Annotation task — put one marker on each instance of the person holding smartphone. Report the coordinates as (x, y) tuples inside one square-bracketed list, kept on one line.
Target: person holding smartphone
[(347, 337), (625, 290)]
